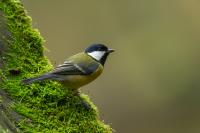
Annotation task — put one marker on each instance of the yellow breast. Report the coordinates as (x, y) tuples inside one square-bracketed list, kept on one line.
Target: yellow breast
[(76, 81)]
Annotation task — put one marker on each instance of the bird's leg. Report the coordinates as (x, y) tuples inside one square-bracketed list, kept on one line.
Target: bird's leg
[(82, 101), (77, 92)]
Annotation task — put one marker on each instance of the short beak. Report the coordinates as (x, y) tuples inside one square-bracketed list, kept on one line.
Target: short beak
[(110, 50)]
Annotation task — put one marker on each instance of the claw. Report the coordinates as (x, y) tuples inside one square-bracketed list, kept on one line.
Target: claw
[(86, 105), (82, 101)]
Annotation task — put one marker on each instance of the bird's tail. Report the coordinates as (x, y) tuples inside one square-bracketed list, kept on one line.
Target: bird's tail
[(35, 79)]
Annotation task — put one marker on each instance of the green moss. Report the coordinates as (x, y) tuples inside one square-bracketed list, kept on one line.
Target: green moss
[(47, 106), (2, 130)]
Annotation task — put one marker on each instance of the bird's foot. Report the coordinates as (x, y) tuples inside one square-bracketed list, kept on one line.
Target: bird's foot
[(82, 101), (85, 105)]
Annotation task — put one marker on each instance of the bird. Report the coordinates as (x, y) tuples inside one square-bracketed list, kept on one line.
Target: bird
[(79, 69)]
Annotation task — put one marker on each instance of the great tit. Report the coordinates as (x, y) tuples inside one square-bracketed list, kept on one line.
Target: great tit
[(79, 69)]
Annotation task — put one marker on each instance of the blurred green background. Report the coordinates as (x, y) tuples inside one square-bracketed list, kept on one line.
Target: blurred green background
[(151, 84)]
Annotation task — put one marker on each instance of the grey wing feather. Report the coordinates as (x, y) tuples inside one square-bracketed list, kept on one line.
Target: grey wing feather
[(68, 69)]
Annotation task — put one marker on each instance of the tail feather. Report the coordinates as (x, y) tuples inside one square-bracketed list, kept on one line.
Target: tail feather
[(35, 79)]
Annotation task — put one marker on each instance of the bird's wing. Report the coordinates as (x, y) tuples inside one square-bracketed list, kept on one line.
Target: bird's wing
[(69, 68)]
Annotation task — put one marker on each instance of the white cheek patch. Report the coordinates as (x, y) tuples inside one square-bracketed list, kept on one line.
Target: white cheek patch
[(97, 54)]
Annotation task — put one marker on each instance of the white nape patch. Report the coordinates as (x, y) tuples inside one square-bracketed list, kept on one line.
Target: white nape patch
[(97, 54)]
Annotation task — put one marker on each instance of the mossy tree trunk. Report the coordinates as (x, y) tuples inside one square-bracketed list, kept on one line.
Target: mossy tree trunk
[(40, 107)]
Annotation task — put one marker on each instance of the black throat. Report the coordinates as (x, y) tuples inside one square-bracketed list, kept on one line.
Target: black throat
[(103, 59)]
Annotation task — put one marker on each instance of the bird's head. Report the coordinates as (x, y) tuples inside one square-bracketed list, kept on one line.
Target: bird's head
[(99, 52)]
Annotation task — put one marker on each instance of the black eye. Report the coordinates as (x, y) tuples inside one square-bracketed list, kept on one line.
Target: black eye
[(102, 48)]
